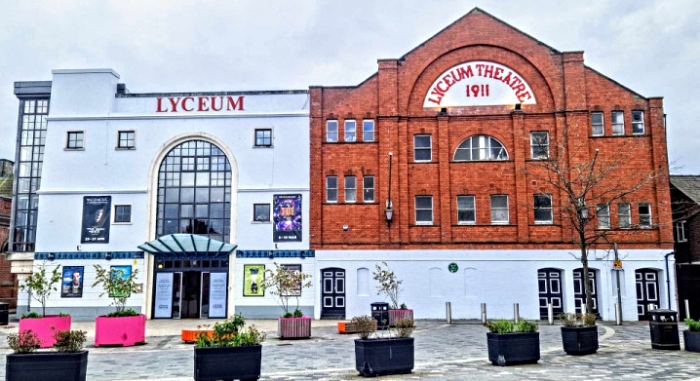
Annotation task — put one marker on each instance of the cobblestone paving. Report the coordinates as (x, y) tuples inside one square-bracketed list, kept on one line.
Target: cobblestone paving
[(443, 352)]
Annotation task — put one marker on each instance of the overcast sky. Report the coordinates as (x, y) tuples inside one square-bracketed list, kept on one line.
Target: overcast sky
[(652, 47)]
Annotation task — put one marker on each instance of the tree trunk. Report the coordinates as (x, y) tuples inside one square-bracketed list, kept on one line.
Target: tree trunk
[(587, 286)]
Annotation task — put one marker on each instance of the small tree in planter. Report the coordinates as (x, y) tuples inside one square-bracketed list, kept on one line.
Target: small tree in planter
[(376, 356), (40, 284), (69, 363), (284, 284), (124, 326), (579, 333), (691, 336), (390, 286), (513, 343)]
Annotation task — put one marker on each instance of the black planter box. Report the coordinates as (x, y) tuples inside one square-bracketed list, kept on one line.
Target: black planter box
[(692, 341), (227, 363), (579, 341), (376, 357), (513, 348), (46, 366)]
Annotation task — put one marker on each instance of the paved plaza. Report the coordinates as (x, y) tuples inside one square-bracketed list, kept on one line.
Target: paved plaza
[(442, 352)]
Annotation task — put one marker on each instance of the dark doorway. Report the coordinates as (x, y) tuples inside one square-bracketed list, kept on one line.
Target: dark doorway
[(549, 284), (647, 282), (580, 291), (688, 288), (333, 293), (191, 293)]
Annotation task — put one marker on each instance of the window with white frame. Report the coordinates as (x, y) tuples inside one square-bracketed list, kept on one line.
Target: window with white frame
[(126, 140), (422, 148), (480, 147), (368, 189), (543, 209), (75, 139), (350, 189), (466, 210), (618, 123), (263, 137), (637, 122), (424, 210), (332, 131), (624, 215), (261, 212), (644, 215), (680, 231), (539, 144), (331, 188), (122, 214), (350, 130), (597, 124), (367, 130), (603, 215), (499, 209)]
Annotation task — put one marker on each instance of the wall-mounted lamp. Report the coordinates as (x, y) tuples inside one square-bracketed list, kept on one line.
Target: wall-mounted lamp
[(160, 264), (303, 254), (51, 256), (443, 111), (271, 254), (518, 106), (108, 255), (346, 228)]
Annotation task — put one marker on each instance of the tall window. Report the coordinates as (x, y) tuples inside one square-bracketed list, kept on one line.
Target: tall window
[(680, 232), (624, 215), (263, 137), (603, 215), (74, 140), (350, 189), (466, 210), (422, 148), (122, 213), (618, 123), (480, 147), (331, 188), (539, 144), (637, 122), (644, 216), (332, 131), (499, 209), (597, 124), (368, 189), (368, 130), (126, 140), (543, 209), (194, 191), (424, 210), (350, 130)]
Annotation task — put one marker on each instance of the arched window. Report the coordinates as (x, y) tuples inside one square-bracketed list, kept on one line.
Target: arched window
[(194, 192), (480, 147)]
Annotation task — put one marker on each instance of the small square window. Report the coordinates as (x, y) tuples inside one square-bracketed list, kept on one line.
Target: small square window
[(261, 212), (368, 189), (539, 144), (424, 210), (597, 124), (350, 130), (466, 210), (637, 122), (331, 188), (332, 131), (422, 148), (499, 209), (618, 123), (263, 137), (122, 213), (74, 140), (350, 189), (127, 140), (367, 130)]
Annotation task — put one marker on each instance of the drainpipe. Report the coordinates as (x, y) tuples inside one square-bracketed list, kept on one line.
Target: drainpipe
[(668, 280)]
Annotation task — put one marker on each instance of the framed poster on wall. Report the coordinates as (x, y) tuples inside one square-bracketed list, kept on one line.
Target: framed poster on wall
[(96, 219), (217, 295), (163, 305), (72, 282), (286, 217), (253, 276), (120, 271)]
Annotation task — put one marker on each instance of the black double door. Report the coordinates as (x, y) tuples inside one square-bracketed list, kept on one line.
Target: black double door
[(333, 293), (647, 284), (550, 291), (580, 290)]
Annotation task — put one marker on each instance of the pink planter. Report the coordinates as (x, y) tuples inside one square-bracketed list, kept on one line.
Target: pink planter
[(294, 328), (124, 330), (46, 327), (395, 315)]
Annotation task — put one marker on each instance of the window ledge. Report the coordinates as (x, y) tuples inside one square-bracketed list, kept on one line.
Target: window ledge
[(261, 222), (74, 149), (125, 148), (122, 223), (270, 146)]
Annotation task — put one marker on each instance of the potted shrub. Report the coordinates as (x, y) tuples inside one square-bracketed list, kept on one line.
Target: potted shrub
[(68, 363), (691, 336), (390, 286), (579, 334), (376, 356), (124, 326), (284, 284), (513, 343), (40, 284), (231, 353)]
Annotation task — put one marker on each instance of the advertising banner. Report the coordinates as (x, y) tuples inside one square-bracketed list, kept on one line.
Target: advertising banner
[(295, 269), (96, 219), (253, 276), (125, 273), (286, 218), (72, 282), (164, 295), (217, 295)]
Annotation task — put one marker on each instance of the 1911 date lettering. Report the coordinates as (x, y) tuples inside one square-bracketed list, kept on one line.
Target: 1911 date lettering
[(475, 91)]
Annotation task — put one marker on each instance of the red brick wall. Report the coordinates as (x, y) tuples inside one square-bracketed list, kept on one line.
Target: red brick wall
[(566, 92)]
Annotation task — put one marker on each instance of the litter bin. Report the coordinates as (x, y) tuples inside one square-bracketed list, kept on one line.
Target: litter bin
[(663, 327), (4, 312), (380, 313)]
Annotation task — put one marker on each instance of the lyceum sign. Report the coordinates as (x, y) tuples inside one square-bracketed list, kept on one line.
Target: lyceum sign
[(199, 104), (479, 83)]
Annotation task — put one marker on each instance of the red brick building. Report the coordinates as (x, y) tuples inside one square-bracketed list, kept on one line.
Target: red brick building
[(451, 137)]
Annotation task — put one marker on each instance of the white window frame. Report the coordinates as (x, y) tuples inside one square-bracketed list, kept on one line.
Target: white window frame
[(68, 140), (350, 131), (681, 231), (602, 214), (428, 148), (535, 143), (366, 189), (367, 131), (595, 126), (495, 221), (550, 220), (424, 222), (350, 189), (638, 125), (131, 213), (329, 188), (256, 214), (618, 129), (262, 130), (624, 219), (332, 130), (119, 140), (645, 221), (467, 209)]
